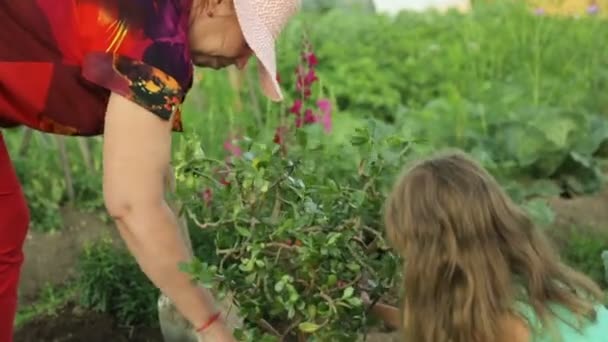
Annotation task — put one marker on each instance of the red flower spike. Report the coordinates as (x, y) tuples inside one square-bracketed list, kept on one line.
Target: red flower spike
[(311, 77), (309, 117), (312, 60), (307, 93), (296, 108)]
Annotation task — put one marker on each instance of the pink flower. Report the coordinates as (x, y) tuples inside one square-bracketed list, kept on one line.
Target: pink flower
[(232, 148), (305, 79), (593, 9), (325, 117), (309, 117), (539, 11), (312, 60), (296, 108), (307, 92), (310, 78)]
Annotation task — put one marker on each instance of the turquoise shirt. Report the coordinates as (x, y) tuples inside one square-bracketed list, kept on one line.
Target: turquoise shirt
[(566, 326)]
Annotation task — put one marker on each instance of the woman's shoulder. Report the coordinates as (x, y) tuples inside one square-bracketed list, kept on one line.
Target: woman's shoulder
[(143, 34), (138, 49)]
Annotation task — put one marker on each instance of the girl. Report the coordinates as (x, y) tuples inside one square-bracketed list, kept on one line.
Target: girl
[(122, 69), (476, 269)]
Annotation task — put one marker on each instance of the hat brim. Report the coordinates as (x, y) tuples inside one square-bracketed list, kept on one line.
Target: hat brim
[(262, 43)]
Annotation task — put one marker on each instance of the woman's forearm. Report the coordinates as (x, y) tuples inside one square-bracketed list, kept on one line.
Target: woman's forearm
[(152, 235), (137, 154)]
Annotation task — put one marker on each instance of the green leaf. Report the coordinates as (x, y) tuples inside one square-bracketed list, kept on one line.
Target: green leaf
[(353, 266), (312, 310), (556, 129), (247, 265), (243, 231), (332, 238), (540, 211), (308, 327), (358, 198), (332, 280), (354, 301), (544, 188), (348, 292), (265, 186)]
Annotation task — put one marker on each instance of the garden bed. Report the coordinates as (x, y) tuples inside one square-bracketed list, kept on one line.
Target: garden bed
[(72, 324)]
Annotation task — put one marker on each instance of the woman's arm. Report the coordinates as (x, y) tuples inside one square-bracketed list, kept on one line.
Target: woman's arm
[(136, 157)]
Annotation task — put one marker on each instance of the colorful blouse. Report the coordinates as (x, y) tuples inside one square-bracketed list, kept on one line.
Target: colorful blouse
[(61, 59)]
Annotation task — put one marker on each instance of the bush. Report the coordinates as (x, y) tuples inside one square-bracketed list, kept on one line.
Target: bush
[(111, 282), (44, 189), (297, 235)]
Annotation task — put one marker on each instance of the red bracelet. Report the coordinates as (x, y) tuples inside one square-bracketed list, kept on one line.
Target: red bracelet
[(209, 323)]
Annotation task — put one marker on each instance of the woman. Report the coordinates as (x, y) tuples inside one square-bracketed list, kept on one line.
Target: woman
[(476, 268), (122, 68)]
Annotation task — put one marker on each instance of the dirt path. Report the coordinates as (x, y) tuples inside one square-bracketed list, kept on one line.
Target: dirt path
[(590, 213)]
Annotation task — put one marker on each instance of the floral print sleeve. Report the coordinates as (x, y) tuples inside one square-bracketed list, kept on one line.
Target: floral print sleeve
[(138, 49), (61, 59)]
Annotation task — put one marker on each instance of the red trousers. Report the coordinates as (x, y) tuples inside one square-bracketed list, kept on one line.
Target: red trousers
[(14, 221)]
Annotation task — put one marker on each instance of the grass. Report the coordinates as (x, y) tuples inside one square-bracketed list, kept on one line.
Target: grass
[(52, 299)]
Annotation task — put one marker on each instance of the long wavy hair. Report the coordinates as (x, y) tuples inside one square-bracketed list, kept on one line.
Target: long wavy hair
[(467, 250)]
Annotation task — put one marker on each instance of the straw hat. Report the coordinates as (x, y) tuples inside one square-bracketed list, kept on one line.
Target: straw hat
[(261, 22)]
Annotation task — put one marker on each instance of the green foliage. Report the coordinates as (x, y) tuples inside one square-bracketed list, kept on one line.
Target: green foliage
[(44, 192), (296, 235), (110, 281), (326, 5), (522, 89), (584, 253), (51, 300), (43, 182), (605, 262)]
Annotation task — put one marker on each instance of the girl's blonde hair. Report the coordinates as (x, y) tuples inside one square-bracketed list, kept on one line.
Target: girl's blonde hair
[(467, 248)]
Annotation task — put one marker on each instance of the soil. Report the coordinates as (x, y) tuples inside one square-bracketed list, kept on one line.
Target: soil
[(50, 258), (74, 325), (587, 212)]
